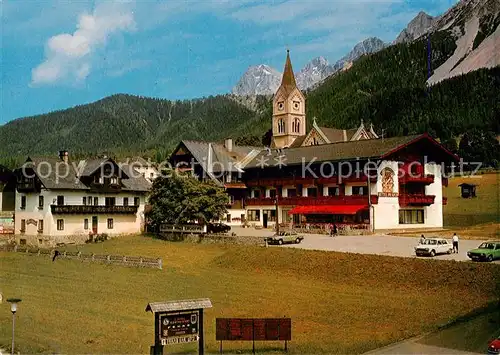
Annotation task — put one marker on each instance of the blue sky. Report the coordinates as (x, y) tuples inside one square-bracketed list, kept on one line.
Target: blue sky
[(58, 54)]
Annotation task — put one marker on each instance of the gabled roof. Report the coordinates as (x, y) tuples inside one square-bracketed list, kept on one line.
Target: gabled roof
[(55, 174), (222, 159), (352, 150)]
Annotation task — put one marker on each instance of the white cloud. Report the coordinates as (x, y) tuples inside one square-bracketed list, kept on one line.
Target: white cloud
[(69, 56)]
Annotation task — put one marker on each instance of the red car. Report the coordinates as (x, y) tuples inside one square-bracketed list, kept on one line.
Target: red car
[(494, 346)]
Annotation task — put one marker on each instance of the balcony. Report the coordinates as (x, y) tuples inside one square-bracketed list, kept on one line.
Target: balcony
[(426, 179), (320, 200), (88, 209), (416, 200), (294, 181)]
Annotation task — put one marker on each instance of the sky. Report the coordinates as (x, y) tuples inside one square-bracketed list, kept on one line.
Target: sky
[(58, 54)]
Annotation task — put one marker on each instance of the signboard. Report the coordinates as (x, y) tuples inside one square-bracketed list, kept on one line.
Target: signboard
[(253, 329), (179, 327), (388, 194)]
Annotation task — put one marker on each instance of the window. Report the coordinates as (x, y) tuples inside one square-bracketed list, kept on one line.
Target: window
[(23, 202), (125, 201), (110, 201), (86, 224), (333, 191), (84, 201), (256, 193), (96, 201), (312, 192), (23, 225), (110, 223), (231, 199), (281, 106), (254, 215), (136, 201), (272, 193), (60, 224), (291, 192), (296, 105), (40, 226), (113, 181), (296, 125), (271, 215), (281, 126), (40, 202), (60, 200), (360, 190), (411, 216), (151, 176), (228, 218)]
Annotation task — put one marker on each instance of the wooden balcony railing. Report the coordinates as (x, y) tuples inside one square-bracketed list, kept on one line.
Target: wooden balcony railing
[(319, 200), (416, 178), (89, 209), (416, 200), (294, 181)]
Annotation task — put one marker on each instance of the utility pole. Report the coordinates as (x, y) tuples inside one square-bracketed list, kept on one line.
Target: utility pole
[(277, 214)]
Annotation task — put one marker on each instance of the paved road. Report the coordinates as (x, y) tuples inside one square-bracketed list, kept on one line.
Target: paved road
[(378, 244), (414, 347)]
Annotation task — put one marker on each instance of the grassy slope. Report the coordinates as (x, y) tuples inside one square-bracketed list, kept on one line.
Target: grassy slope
[(339, 303), (478, 215)]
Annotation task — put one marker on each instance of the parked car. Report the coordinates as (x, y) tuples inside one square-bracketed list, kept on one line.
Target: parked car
[(494, 346), (433, 246), (285, 237), (218, 228), (487, 251)]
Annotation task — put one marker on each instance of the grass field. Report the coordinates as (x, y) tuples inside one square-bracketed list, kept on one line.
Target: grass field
[(477, 217), (339, 303)]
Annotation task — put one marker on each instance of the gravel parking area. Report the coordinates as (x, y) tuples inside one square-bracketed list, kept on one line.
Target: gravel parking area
[(365, 244), (380, 245)]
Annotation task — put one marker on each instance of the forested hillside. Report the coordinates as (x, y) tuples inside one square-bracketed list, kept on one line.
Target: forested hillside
[(387, 88)]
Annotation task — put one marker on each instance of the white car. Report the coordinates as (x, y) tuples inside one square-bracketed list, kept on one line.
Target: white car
[(433, 246)]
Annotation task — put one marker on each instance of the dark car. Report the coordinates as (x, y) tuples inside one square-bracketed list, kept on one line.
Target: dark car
[(218, 228)]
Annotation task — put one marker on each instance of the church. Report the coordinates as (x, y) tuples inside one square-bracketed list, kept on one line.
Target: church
[(348, 177), (289, 119)]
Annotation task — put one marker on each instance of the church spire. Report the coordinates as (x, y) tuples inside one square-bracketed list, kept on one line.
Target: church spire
[(288, 80)]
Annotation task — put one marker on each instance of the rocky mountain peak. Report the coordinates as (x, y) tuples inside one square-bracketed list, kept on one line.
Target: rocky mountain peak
[(258, 80), (419, 25)]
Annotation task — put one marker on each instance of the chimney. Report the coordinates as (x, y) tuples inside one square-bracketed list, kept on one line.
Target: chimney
[(64, 156), (228, 144)]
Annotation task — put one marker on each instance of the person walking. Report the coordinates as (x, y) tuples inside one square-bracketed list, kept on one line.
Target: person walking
[(455, 242), (422, 239)]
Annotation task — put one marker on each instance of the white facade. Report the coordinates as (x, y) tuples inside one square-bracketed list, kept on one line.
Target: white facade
[(37, 220)]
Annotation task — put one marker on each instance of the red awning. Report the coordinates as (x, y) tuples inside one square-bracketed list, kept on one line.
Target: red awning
[(328, 209)]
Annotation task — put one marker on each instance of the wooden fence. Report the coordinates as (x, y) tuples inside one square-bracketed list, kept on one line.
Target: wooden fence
[(135, 261)]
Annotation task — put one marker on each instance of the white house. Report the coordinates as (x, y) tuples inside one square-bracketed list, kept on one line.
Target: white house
[(60, 201)]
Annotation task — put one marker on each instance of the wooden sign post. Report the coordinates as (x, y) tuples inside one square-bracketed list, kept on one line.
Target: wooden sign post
[(178, 322)]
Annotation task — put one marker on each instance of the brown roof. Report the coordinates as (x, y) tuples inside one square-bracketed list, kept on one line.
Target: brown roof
[(362, 149), (298, 141), (334, 135), (288, 79)]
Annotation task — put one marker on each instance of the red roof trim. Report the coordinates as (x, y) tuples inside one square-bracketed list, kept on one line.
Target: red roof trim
[(423, 136)]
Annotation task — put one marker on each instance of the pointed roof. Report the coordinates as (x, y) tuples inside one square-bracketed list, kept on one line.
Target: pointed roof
[(288, 80)]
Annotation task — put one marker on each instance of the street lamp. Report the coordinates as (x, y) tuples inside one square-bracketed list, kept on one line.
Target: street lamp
[(13, 308)]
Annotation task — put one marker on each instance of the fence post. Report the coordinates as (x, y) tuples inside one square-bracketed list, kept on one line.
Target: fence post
[(93, 257), (38, 254), (79, 254), (140, 261), (160, 264), (124, 259), (64, 254), (108, 258), (15, 248)]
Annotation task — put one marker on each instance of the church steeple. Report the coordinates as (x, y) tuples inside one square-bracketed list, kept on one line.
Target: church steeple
[(289, 115), (288, 79)]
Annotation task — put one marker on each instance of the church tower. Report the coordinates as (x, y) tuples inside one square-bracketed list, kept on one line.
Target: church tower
[(289, 110)]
